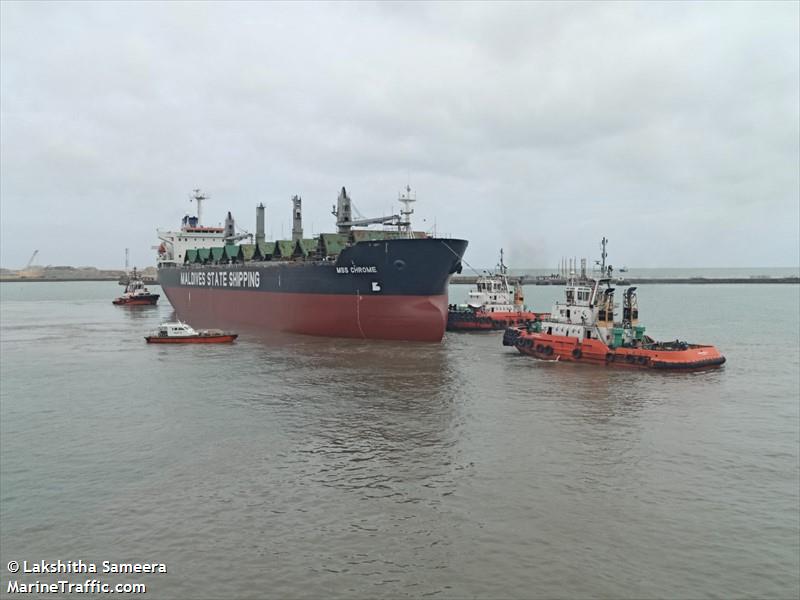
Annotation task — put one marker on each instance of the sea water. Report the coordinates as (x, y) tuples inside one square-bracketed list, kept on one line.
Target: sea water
[(289, 466)]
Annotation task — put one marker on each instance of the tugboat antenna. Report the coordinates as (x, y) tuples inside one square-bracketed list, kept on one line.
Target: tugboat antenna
[(603, 255)]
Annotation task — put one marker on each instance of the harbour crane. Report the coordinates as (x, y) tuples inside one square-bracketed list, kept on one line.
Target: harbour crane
[(33, 257)]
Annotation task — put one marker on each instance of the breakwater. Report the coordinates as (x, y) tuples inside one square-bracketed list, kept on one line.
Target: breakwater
[(528, 280)]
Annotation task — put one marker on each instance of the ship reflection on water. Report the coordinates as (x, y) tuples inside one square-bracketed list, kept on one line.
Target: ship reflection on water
[(140, 312)]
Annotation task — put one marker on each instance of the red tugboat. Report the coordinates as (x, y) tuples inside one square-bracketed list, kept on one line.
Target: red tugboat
[(181, 333), (136, 294), (585, 329), (493, 305)]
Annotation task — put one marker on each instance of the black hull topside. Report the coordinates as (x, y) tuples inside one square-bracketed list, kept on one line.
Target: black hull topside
[(420, 267)]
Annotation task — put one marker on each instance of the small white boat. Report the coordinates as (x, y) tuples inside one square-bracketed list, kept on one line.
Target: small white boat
[(181, 333)]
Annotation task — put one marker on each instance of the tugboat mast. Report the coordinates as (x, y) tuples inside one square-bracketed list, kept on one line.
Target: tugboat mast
[(503, 268), (603, 255)]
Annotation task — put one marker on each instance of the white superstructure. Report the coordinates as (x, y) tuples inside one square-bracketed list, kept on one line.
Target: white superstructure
[(493, 293), (192, 235), (176, 329), (174, 244), (589, 311)]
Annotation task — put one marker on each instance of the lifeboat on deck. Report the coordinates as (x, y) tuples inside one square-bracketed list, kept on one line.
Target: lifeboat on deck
[(181, 333), (586, 329), (492, 305)]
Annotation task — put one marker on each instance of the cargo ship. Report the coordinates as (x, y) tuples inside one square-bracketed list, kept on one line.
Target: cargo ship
[(492, 305), (587, 328), (388, 283)]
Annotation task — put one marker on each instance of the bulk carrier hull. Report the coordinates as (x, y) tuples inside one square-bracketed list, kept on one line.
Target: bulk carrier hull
[(390, 289)]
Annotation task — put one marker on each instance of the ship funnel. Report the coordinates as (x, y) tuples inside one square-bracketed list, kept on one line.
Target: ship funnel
[(260, 238), (343, 213), (297, 218), (230, 228)]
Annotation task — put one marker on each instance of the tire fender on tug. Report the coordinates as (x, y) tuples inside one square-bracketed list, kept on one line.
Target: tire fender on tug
[(576, 353)]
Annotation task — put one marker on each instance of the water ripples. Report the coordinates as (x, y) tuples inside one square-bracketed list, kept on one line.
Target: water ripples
[(288, 466)]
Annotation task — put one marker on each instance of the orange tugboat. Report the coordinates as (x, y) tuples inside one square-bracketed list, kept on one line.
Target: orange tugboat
[(586, 329), (136, 294), (181, 333), (492, 305)]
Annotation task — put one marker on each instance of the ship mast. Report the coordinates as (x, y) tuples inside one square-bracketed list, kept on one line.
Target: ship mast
[(198, 197), (405, 214)]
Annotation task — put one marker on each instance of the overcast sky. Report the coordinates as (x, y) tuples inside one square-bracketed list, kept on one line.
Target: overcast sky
[(673, 129)]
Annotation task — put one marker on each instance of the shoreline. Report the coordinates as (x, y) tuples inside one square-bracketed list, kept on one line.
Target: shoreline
[(55, 279), (526, 280)]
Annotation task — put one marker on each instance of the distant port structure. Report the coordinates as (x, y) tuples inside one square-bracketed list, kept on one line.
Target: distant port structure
[(571, 266), (550, 280)]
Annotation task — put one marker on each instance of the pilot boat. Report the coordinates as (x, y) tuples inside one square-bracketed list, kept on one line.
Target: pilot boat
[(587, 329), (493, 304), (181, 333)]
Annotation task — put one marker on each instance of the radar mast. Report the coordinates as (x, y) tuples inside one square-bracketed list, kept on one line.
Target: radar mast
[(198, 197), (406, 198)]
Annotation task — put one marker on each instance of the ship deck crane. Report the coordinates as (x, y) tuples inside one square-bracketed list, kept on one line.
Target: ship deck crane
[(388, 220)]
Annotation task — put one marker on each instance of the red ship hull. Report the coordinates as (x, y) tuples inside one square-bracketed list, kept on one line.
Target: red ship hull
[(389, 317), (489, 321), (591, 351), (141, 301)]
